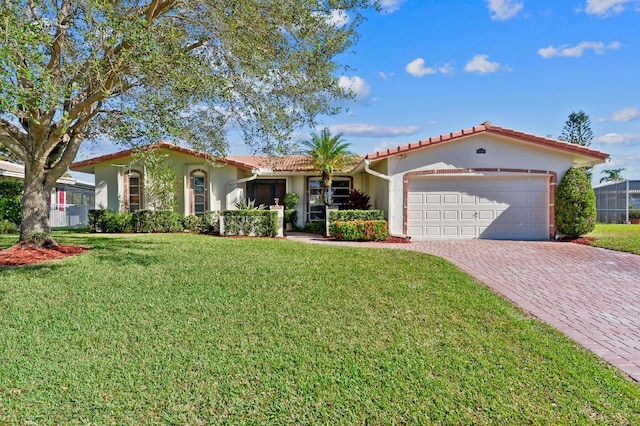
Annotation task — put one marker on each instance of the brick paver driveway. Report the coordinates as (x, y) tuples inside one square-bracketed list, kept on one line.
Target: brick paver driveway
[(592, 295)]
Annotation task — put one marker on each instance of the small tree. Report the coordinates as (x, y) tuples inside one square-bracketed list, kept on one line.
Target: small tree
[(612, 175), (329, 154), (160, 182), (577, 129), (575, 204)]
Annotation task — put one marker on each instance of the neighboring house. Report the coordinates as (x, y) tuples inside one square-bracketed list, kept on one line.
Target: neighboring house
[(70, 200), (618, 202), (482, 182)]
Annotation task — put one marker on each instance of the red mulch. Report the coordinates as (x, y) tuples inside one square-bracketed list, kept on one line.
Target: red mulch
[(585, 241), (24, 255)]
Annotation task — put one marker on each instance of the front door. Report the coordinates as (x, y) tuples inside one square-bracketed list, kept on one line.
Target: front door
[(265, 191)]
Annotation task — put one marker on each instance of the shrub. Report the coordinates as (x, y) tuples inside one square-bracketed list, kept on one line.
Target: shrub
[(356, 230), (358, 200), (104, 220), (290, 201), (634, 213), (259, 223), (118, 222), (314, 228), (350, 215), (248, 204), (11, 201), (147, 221), (8, 227), (575, 204), (193, 223), (211, 222)]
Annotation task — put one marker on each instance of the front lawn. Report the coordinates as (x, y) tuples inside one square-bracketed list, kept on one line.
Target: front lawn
[(191, 329), (617, 237)]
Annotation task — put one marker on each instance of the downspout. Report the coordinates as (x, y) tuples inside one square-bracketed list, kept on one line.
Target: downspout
[(373, 172)]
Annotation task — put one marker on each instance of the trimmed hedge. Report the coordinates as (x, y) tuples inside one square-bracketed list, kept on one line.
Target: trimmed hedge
[(11, 197), (350, 215), (357, 230), (106, 221), (575, 204), (148, 221), (259, 223)]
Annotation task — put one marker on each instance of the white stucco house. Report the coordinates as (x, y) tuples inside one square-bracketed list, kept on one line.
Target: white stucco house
[(483, 182)]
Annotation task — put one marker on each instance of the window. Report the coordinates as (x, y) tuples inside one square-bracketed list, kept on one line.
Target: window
[(337, 194), (133, 191), (198, 192)]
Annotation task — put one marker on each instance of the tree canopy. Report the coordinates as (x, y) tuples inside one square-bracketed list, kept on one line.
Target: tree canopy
[(329, 153), (612, 175), (577, 129), (184, 70)]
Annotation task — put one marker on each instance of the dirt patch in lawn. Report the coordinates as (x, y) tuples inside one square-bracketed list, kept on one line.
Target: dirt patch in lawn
[(25, 255)]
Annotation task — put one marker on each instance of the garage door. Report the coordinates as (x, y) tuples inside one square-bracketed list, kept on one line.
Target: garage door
[(478, 207)]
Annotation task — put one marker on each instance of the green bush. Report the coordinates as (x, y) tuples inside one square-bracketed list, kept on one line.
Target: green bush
[(290, 201), (146, 221), (575, 204), (193, 223), (259, 223), (104, 220), (350, 215), (314, 228), (356, 230), (11, 201), (211, 222), (8, 227)]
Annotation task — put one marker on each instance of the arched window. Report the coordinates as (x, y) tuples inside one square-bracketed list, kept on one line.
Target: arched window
[(198, 189), (133, 191)]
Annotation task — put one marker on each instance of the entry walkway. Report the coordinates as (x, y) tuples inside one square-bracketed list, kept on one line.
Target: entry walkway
[(592, 295)]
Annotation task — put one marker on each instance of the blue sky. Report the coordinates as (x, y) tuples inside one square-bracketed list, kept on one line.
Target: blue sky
[(423, 68), (427, 67)]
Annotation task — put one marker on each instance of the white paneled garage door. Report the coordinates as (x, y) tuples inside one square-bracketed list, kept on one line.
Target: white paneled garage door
[(478, 207)]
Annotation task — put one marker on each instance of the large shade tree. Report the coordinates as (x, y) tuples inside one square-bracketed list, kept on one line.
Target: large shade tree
[(137, 70), (329, 153)]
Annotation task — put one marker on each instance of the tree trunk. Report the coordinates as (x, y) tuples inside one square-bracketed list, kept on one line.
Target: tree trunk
[(35, 228)]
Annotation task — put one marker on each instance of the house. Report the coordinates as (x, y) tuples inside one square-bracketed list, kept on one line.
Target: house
[(70, 200), (618, 202), (483, 182)]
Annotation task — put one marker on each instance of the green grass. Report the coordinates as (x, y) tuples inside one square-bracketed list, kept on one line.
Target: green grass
[(191, 329), (617, 237)]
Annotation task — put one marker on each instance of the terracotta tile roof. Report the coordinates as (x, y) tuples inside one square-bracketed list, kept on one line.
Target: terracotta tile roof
[(86, 164), (287, 163), (487, 127)]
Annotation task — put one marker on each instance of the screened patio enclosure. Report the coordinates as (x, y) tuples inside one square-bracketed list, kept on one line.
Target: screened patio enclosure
[(615, 201)]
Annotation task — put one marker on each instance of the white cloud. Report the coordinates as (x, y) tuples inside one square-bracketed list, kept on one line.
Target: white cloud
[(622, 116), (386, 76), (372, 130), (447, 69), (417, 68), (620, 139), (339, 18), (357, 86), (390, 6), (504, 9), (605, 7), (482, 65), (566, 51)]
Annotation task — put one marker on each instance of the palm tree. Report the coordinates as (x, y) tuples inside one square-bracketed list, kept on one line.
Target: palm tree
[(612, 175), (329, 154)]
